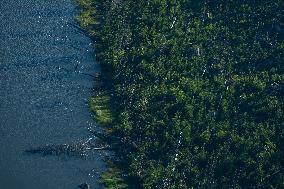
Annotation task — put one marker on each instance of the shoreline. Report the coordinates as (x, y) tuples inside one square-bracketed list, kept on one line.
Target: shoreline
[(100, 104)]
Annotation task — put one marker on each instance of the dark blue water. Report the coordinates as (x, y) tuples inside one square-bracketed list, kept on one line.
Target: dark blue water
[(43, 95)]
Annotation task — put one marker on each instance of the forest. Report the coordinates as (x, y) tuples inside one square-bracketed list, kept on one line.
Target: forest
[(195, 89)]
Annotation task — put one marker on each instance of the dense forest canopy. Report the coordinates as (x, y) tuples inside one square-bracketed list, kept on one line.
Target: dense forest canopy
[(197, 90)]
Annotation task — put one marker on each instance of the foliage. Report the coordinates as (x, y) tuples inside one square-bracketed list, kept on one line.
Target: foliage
[(197, 90), (100, 108), (114, 178)]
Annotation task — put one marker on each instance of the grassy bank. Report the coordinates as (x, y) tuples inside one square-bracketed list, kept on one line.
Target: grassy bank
[(193, 91)]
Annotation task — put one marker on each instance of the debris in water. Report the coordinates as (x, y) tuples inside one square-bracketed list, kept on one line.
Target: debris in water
[(84, 186)]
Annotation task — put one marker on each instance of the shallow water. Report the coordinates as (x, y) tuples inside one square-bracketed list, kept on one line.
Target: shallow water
[(43, 95)]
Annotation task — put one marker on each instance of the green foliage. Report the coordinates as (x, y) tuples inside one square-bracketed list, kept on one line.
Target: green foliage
[(100, 106), (197, 90), (87, 16), (113, 179)]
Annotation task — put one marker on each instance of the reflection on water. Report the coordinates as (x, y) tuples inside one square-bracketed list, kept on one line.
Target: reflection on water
[(43, 96)]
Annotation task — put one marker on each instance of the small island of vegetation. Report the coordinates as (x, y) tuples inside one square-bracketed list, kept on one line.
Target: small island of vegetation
[(193, 91)]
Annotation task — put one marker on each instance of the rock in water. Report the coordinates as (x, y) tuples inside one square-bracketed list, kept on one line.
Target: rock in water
[(84, 186)]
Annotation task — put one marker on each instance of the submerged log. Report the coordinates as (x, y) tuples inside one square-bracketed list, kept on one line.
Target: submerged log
[(73, 149)]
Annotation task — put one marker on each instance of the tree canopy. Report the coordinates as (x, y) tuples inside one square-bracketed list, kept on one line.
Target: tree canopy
[(197, 90)]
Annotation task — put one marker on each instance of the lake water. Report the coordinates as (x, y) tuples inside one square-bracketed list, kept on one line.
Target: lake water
[(43, 95)]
